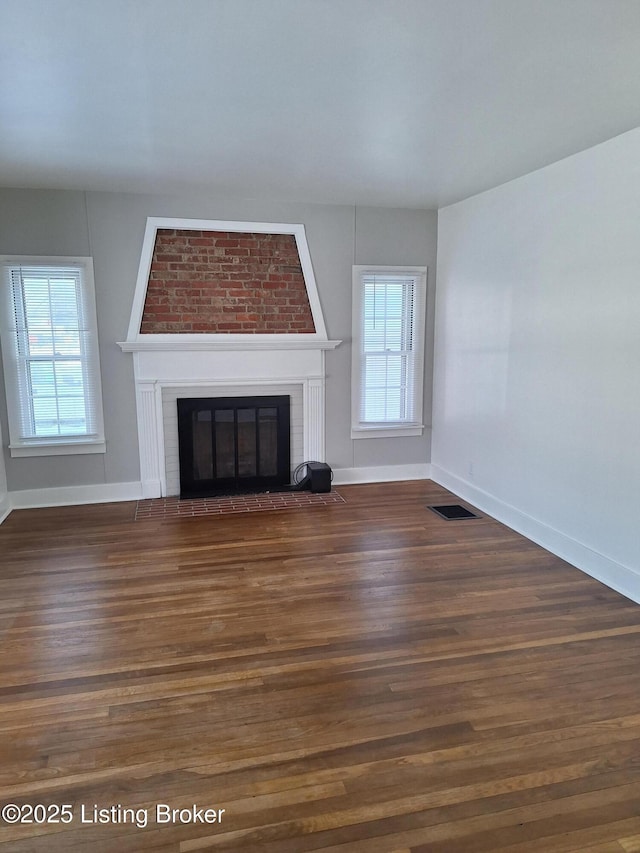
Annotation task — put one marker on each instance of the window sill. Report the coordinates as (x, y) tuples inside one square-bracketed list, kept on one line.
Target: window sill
[(67, 448), (387, 431)]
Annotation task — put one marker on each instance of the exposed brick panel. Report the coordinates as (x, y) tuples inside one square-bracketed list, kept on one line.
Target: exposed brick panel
[(225, 282)]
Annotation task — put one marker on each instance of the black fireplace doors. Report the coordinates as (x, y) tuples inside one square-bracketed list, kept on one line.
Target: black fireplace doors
[(230, 445)]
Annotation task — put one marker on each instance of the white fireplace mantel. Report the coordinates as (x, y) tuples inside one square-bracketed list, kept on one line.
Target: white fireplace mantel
[(213, 343), (219, 362), (219, 370)]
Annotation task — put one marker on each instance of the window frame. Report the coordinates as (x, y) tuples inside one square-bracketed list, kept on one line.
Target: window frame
[(389, 429), (14, 371)]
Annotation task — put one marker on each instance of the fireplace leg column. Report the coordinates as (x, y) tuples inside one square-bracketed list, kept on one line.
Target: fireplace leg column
[(148, 436), (313, 402)]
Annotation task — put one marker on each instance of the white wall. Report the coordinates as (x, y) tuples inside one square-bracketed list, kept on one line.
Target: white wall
[(110, 228), (537, 359)]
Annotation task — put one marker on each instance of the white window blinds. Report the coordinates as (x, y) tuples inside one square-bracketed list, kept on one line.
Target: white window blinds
[(387, 349), (389, 340), (53, 365)]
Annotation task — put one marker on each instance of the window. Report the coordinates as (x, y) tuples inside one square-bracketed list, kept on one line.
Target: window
[(50, 356), (388, 350)]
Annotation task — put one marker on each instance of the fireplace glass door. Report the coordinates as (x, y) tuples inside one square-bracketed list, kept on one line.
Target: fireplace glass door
[(230, 445)]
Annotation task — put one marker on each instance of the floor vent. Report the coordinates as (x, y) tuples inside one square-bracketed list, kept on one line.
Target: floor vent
[(453, 512)]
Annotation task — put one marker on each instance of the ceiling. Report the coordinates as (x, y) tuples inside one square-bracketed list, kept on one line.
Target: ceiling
[(411, 103)]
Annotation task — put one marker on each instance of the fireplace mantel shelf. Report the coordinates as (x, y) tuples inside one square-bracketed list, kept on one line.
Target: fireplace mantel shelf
[(178, 343)]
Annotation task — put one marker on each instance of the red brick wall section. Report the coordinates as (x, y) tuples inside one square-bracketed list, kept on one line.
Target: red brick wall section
[(225, 282)]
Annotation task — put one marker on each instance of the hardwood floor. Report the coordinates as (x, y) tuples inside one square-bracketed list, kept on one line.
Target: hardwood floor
[(357, 678)]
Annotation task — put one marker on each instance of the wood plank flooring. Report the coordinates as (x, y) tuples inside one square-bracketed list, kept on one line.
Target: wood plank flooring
[(357, 678)]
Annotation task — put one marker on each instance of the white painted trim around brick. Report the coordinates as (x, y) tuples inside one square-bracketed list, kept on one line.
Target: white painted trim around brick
[(146, 256)]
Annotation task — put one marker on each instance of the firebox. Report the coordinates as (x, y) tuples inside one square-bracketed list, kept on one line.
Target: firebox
[(231, 445)]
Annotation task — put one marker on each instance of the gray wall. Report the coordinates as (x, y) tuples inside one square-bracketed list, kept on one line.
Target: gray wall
[(110, 228), (3, 483)]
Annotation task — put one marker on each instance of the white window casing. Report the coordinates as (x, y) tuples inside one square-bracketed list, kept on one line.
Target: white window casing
[(50, 356), (389, 307)]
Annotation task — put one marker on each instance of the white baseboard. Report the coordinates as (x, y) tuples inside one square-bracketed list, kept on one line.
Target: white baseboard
[(150, 489), (381, 474), (111, 492), (5, 506), (71, 495), (623, 579)]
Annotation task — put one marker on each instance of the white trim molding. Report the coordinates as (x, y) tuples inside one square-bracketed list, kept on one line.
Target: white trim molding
[(197, 343), (155, 222), (96, 493), (18, 356), (382, 474), (623, 579), (66, 448), (408, 347), (6, 506)]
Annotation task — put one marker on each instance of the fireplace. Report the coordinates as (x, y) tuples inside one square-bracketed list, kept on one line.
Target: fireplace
[(231, 445), (189, 360)]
